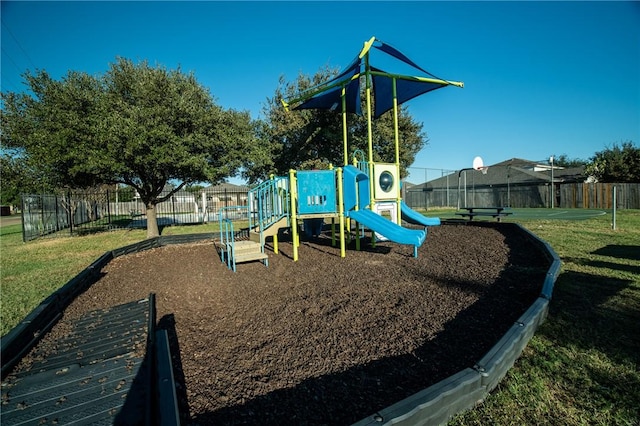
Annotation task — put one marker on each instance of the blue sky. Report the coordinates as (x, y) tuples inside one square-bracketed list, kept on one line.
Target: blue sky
[(541, 78)]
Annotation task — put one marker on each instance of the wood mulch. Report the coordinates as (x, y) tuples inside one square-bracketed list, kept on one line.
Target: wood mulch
[(325, 340)]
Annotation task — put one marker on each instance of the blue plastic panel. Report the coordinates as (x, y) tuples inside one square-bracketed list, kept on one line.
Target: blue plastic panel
[(316, 191)]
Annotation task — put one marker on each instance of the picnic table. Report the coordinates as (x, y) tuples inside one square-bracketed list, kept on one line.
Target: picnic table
[(496, 212)]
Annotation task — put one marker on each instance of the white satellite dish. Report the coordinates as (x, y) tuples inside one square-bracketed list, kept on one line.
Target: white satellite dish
[(477, 163)]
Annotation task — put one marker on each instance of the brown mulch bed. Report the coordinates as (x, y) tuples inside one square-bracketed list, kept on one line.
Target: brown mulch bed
[(325, 340)]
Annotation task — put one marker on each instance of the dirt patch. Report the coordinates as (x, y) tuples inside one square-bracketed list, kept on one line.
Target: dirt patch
[(325, 340)]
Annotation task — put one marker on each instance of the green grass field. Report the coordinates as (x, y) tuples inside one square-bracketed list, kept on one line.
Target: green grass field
[(582, 366)]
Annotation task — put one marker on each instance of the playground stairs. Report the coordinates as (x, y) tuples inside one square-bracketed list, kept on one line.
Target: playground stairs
[(248, 251), (237, 247)]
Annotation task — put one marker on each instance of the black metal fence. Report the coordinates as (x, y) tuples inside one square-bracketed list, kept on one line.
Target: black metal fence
[(81, 212), (74, 213)]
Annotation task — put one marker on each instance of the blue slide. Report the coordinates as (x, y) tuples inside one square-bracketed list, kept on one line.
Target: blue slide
[(388, 229), (416, 218)]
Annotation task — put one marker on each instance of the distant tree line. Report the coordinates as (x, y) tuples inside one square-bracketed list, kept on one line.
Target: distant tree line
[(618, 163)]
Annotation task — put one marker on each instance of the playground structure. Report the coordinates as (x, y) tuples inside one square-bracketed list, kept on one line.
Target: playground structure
[(275, 204), (357, 195)]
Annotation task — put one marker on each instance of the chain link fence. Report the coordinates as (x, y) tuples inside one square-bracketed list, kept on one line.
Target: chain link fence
[(568, 195), (505, 187)]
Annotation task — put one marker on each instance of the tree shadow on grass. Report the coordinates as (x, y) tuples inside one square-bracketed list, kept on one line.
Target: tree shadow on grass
[(596, 331), (581, 310), (619, 251), (614, 266)]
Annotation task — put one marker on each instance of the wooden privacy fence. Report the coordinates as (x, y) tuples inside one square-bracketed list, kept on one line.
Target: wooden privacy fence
[(599, 195)]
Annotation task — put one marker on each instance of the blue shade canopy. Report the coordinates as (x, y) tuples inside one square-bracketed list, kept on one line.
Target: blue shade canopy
[(328, 95), (397, 54), (332, 98), (405, 90)]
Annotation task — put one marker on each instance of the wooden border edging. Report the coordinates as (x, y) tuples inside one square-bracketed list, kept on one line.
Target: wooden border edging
[(436, 404)]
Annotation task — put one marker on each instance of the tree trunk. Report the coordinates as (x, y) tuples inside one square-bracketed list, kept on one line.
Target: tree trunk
[(152, 221)]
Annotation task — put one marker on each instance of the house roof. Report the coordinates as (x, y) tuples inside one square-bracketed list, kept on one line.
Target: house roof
[(228, 186), (517, 162), (515, 171)]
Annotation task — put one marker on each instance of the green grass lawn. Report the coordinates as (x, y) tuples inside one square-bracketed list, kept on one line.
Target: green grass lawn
[(582, 366)]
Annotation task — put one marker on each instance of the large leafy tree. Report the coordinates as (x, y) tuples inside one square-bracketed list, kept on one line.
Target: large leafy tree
[(619, 163), (50, 131), (313, 138), (137, 125), (18, 176)]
